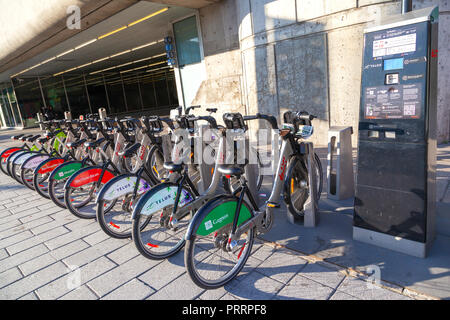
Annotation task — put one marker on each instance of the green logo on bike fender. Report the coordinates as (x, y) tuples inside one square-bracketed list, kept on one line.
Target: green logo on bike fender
[(67, 171), (220, 216)]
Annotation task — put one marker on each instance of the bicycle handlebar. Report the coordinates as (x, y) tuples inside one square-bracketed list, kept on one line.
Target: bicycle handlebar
[(191, 108), (212, 122), (271, 119)]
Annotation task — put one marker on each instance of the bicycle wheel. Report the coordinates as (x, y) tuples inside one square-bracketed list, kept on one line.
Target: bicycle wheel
[(58, 179), (131, 163), (17, 163), (156, 240), (208, 262), (296, 187), (117, 222), (10, 160), (28, 167), (42, 173), (4, 158), (81, 190)]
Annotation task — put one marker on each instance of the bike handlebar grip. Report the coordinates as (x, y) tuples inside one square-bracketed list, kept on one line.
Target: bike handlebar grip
[(247, 118), (306, 117)]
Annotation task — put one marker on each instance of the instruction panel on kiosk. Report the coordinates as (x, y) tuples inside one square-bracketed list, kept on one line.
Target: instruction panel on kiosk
[(398, 61)]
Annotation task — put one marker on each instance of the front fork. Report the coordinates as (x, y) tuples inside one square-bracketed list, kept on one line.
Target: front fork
[(104, 167), (183, 180)]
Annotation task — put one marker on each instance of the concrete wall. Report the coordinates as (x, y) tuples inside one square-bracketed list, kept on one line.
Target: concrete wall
[(222, 57), (301, 55)]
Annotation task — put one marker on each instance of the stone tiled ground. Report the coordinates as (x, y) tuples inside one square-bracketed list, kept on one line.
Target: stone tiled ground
[(47, 253)]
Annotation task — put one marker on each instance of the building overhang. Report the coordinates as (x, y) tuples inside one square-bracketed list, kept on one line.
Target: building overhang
[(137, 41), (36, 31)]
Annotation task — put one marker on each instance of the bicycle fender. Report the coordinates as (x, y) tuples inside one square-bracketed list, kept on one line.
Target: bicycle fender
[(121, 185), (87, 175), (48, 165), (215, 214), (65, 169), (158, 198), (34, 161), (6, 153)]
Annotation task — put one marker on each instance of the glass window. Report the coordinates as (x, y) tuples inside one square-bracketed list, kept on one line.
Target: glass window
[(172, 88), (7, 116), (76, 92), (115, 92), (54, 95), (130, 83), (14, 105), (29, 98), (187, 41), (161, 90), (148, 92), (97, 92)]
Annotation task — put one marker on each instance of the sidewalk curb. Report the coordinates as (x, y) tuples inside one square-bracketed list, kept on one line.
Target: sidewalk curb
[(354, 273)]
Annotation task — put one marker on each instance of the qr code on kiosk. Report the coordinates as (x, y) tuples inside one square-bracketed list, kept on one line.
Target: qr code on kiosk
[(409, 110)]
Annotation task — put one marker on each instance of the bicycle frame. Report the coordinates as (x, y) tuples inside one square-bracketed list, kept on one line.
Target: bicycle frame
[(209, 193), (258, 215)]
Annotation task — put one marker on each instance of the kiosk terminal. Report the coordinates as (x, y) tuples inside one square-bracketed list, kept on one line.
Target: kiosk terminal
[(395, 185)]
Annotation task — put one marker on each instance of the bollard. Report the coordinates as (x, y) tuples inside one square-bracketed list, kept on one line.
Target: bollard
[(102, 113), (340, 164), (67, 115), (251, 170), (275, 151), (40, 118), (310, 208), (201, 140)]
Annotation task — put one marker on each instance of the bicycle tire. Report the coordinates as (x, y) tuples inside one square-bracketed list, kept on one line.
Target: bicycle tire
[(151, 247), (193, 237)]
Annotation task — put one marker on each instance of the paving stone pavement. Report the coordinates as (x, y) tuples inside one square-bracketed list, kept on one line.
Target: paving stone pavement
[(47, 253)]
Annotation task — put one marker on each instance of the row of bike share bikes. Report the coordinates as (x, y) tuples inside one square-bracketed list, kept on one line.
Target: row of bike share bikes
[(127, 175)]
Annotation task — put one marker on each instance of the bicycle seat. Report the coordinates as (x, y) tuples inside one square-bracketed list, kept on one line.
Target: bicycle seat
[(172, 167), (42, 140), (76, 144), (231, 170), (33, 139), (17, 137), (212, 110), (24, 138), (94, 144)]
